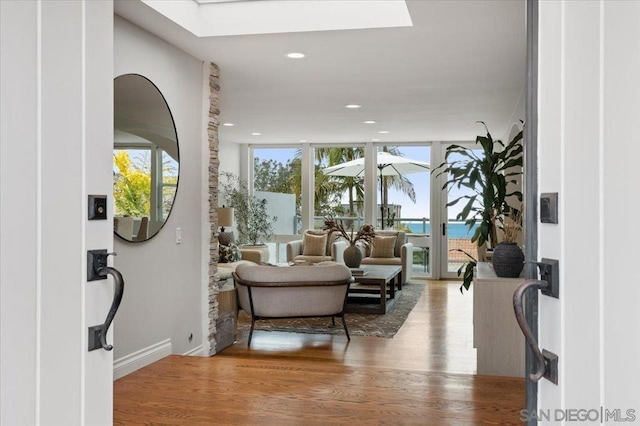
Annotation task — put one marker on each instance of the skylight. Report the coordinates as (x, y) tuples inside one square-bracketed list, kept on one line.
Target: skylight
[(209, 18)]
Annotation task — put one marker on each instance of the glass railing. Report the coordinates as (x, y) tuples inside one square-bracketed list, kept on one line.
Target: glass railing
[(416, 225)]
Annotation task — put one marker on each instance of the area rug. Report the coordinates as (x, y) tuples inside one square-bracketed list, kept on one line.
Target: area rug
[(378, 325)]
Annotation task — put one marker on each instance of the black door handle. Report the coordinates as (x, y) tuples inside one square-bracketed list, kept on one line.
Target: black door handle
[(98, 333), (547, 361)]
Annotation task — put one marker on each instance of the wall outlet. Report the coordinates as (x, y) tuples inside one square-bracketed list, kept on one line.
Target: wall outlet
[(178, 235)]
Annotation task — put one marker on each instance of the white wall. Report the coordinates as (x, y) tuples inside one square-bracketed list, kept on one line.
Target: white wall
[(56, 138), (162, 298), (588, 149), (230, 154)]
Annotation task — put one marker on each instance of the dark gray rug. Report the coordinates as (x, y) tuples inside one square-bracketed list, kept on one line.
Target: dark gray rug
[(378, 325)]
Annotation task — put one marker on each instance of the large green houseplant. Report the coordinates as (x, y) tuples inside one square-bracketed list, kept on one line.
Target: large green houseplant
[(490, 175), (253, 223)]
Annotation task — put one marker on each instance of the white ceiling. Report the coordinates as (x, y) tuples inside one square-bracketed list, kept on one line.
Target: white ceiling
[(460, 62)]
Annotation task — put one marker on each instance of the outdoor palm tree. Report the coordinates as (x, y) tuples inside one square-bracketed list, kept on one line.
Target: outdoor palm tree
[(354, 186), (327, 191), (349, 156)]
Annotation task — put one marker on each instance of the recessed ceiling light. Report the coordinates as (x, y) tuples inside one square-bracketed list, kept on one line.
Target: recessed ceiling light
[(228, 124), (295, 55), (353, 106), (303, 140), (383, 132), (370, 122), (375, 140), (256, 134)]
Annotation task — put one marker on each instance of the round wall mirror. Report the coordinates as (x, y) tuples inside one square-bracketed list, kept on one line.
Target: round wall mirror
[(146, 158)]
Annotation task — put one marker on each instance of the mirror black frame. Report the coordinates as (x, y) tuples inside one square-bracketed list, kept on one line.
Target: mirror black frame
[(175, 130)]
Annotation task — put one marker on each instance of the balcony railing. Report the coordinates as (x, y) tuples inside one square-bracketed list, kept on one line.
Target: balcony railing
[(420, 225)]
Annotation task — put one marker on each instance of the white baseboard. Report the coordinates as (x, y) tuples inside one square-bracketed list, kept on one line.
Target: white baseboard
[(135, 361), (197, 351)]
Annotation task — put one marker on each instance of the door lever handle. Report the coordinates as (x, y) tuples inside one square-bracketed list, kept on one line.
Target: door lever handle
[(98, 333), (547, 361)]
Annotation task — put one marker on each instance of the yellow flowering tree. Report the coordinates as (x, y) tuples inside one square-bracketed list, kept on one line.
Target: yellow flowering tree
[(132, 185)]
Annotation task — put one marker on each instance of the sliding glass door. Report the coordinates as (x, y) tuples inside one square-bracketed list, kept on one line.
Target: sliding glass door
[(455, 235)]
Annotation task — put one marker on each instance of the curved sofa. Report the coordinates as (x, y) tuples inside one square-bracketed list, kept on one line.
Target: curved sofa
[(292, 292)]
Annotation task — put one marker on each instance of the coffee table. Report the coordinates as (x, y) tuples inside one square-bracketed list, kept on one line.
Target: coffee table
[(374, 292)]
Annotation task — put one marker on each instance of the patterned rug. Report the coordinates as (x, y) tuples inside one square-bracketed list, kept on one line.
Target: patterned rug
[(378, 325)]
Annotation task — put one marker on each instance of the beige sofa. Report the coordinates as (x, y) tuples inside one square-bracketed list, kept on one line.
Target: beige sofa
[(293, 292), (401, 255), (249, 256), (301, 251)]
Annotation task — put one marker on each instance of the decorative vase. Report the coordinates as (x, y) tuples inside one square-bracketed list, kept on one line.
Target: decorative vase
[(507, 260), (352, 256)]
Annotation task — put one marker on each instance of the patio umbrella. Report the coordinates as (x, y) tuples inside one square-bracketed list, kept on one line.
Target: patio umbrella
[(388, 165)]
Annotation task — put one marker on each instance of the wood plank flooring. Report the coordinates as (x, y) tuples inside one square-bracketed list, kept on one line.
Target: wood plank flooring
[(423, 376)]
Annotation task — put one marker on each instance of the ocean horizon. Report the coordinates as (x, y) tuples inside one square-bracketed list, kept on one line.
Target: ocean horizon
[(456, 230)]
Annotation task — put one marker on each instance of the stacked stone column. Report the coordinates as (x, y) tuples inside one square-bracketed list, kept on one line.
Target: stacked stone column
[(214, 162)]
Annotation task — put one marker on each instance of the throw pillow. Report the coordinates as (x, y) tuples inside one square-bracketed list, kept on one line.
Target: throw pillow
[(314, 245), (332, 237), (230, 253), (382, 246)]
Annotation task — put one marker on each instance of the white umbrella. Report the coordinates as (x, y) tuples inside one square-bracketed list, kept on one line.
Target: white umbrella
[(388, 165)]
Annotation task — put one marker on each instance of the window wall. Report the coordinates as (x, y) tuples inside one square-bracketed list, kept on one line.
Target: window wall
[(277, 178), (404, 198), (412, 202), (335, 194)]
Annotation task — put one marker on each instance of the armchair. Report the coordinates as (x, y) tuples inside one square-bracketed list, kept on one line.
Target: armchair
[(391, 248), (316, 246)]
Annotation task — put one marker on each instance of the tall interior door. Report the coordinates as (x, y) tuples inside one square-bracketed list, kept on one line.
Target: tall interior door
[(589, 104)]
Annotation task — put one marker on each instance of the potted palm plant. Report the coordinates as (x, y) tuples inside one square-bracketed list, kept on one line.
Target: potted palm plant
[(490, 176), (508, 258)]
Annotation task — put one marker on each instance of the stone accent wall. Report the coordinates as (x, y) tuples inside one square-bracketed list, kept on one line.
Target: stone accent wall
[(212, 130)]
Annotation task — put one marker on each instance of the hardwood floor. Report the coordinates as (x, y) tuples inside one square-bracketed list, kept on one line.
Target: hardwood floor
[(424, 375)]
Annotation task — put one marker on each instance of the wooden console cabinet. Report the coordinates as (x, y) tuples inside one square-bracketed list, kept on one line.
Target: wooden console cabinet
[(499, 341), (227, 323)]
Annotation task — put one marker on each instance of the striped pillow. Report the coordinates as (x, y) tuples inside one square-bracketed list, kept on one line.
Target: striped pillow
[(382, 246), (314, 245)]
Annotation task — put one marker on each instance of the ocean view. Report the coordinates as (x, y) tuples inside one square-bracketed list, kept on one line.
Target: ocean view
[(456, 230)]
